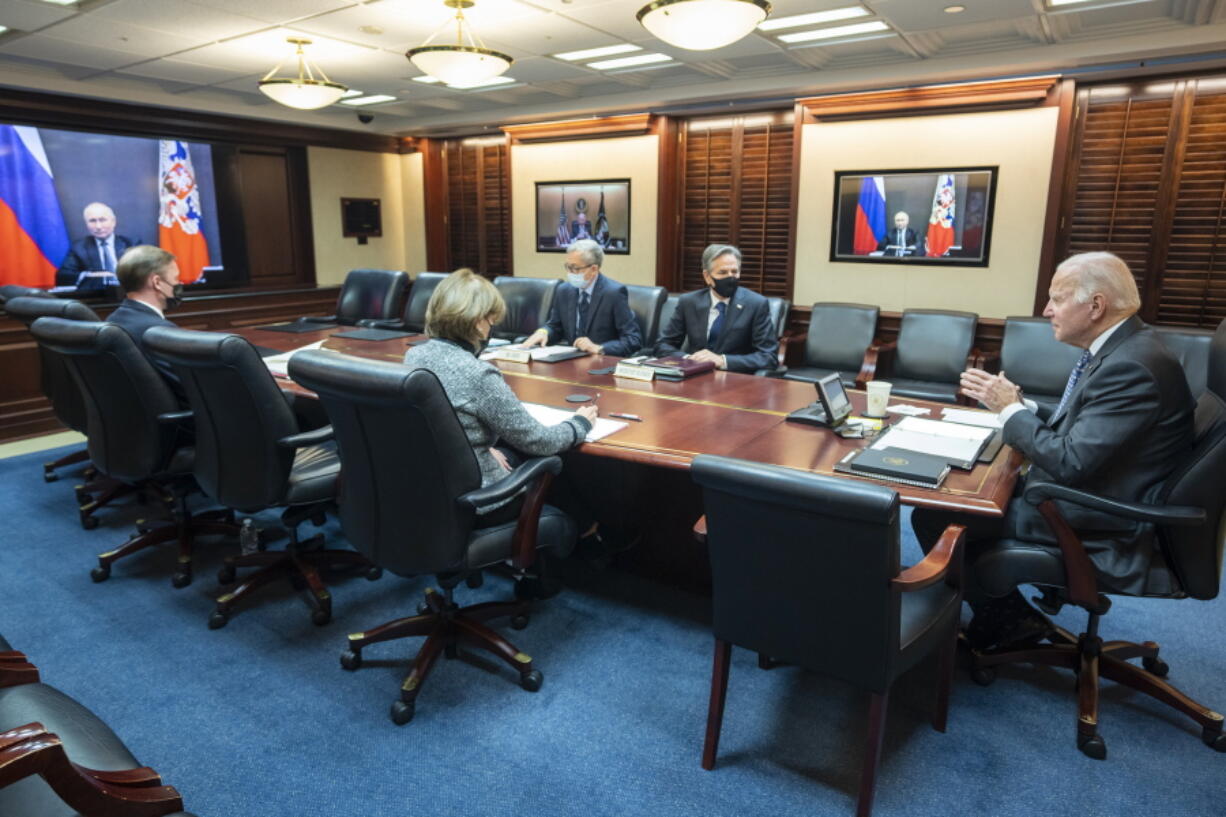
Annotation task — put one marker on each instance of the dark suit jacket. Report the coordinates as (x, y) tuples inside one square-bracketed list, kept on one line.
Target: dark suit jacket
[(609, 319), (891, 237), (1126, 427), (83, 257), (136, 319), (747, 339)]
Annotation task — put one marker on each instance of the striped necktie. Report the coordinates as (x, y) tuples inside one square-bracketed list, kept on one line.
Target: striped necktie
[(584, 301), (1073, 377)]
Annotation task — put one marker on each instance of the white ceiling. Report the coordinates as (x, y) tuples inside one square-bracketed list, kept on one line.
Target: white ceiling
[(207, 55)]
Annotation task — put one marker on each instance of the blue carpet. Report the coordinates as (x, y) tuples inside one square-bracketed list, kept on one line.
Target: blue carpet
[(258, 718)]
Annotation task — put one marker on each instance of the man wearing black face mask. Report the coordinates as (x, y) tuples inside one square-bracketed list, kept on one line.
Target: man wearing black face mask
[(724, 323), (150, 280)]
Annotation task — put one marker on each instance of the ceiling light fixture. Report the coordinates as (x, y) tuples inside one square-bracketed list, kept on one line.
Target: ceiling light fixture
[(459, 64), (626, 62), (304, 92), (702, 25), (593, 53), (367, 100), (837, 31), (816, 18), (956, 9)]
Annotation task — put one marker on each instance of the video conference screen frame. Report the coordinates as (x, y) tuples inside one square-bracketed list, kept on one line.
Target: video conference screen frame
[(580, 202), (962, 238)]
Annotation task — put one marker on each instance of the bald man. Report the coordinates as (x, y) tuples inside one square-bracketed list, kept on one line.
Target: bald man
[(100, 251)]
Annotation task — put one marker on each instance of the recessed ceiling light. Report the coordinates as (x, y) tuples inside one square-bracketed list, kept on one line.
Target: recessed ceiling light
[(626, 62), (368, 100), (426, 78), (3, 29), (592, 53), (954, 9), (352, 92), (485, 83), (370, 29), (815, 18), (61, 2), (831, 33)]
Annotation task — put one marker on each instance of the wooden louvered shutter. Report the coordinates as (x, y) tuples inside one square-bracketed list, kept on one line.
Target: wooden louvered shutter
[(737, 189), (478, 207)]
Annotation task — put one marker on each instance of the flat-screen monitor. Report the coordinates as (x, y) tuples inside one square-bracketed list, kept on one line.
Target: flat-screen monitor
[(834, 399), (569, 211), (939, 216)]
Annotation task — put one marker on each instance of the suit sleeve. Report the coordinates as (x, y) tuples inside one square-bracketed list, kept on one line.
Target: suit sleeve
[(673, 337), (554, 323), (628, 338), (765, 344), (73, 266), (499, 409), (1121, 404)]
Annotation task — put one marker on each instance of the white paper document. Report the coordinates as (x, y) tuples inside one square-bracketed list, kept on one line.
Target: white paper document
[(538, 352), (550, 416), (971, 418), (279, 364), (953, 441), (908, 409)]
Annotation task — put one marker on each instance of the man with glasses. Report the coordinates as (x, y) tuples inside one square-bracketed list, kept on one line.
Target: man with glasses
[(590, 311)]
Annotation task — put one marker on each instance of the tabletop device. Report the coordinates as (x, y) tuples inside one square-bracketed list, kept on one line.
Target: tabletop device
[(832, 407)]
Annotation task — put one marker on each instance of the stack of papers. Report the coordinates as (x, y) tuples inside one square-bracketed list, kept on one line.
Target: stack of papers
[(550, 416), (954, 441), (538, 352), (279, 364), (971, 418)]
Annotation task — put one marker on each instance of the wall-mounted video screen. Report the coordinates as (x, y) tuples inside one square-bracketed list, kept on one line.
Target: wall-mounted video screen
[(569, 211), (937, 216), (71, 202)]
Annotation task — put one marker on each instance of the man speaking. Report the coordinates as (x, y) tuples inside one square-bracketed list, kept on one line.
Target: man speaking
[(99, 252)]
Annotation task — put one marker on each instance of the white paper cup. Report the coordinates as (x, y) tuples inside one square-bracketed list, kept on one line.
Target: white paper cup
[(878, 398)]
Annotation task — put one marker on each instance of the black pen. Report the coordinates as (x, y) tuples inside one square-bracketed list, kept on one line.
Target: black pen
[(633, 417)]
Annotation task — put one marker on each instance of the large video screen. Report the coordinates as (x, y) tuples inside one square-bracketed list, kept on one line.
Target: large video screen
[(931, 216), (72, 202), (569, 211)]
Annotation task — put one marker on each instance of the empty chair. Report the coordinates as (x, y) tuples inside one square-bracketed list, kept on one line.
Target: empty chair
[(647, 303), (839, 339), (933, 348), (368, 293), (414, 317), (822, 588), (528, 301), (1191, 346), (10, 291), (409, 501), (1032, 358)]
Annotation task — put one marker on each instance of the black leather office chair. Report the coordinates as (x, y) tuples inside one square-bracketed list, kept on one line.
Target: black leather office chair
[(528, 301), (1187, 518), (251, 455), (822, 588), (1191, 347), (647, 303), (414, 317), (666, 314), (10, 291), (779, 309), (134, 428), (1032, 358), (409, 500), (368, 293), (840, 339), (933, 348)]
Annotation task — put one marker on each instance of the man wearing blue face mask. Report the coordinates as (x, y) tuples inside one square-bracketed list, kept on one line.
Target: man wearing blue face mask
[(724, 322), (590, 311)]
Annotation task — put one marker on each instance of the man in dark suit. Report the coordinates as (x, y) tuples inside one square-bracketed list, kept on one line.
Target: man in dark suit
[(724, 323), (590, 310), (902, 240), (150, 280), (1122, 427), (99, 252)]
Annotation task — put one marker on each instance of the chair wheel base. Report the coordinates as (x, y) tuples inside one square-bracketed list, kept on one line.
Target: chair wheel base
[(227, 574), (374, 574), (402, 712), (50, 476), (1156, 666), (984, 676), (100, 573), (1092, 746), (181, 579), (351, 660), (1215, 739), (218, 619), (321, 617), (89, 522), (532, 681), (519, 622)]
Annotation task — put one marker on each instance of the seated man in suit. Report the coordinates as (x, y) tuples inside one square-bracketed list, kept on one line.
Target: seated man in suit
[(99, 252), (1122, 427), (150, 280), (590, 310), (725, 323), (902, 240)]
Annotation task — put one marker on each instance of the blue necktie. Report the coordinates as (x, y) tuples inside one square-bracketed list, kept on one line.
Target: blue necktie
[(717, 325), (1073, 377), (583, 304), (108, 257)]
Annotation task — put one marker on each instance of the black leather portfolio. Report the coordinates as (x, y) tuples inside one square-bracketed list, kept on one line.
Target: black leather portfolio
[(896, 465)]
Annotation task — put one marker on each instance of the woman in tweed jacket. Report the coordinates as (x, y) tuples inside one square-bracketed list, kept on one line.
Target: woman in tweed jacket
[(461, 312)]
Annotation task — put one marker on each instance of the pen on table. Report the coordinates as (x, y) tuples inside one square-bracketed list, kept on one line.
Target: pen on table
[(633, 417)]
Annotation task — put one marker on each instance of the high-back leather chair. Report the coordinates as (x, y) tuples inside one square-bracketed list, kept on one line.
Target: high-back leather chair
[(409, 501), (822, 587), (647, 303), (415, 310), (1191, 347), (250, 455), (528, 301), (839, 339), (10, 291), (933, 348), (779, 309), (134, 427), (666, 314), (368, 294), (1032, 358), (1187, 516)]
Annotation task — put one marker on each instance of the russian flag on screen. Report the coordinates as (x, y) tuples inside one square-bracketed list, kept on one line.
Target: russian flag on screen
[(179, 220), (33, 239), (870, 215)]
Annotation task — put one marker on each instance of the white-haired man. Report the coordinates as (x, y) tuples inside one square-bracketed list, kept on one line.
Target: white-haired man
[(1122, 426)]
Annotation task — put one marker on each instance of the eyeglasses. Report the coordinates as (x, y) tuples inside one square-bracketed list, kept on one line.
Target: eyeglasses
[(571, 268)]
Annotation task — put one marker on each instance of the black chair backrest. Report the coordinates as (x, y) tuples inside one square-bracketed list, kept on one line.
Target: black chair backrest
[(239, 413), (779, 309), (123, 395), (371, 293), (528, 301), (801, 566), (934, 344), (1191, 347), (666, 315), (1033, 358), (419, 299), (10, 291), (646, 303), (839, 335), (404, 460), (57, 382)]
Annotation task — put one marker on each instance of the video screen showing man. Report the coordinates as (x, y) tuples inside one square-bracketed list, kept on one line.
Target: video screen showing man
[(901, 241), (91, 261)]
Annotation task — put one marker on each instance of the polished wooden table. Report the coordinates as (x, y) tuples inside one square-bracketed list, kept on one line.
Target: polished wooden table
[(723, 413)]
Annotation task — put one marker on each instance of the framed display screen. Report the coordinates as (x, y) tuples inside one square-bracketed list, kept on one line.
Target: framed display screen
[(569, 211)]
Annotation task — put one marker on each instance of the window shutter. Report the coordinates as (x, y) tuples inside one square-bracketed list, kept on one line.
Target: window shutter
[(478, 207)]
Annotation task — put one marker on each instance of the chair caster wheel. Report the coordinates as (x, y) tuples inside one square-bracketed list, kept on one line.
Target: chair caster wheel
[(532, 681), (100, 573), (402, 712), (82, 496), (474, 580), (374, 574), (320, 617), (227, 574), (181, 579), (1092, 747), (50, 476), (519, 622), (89, 522), (1157, 666), (984, 676), (351, 660), (423, 609), (218, 619), (1215, 739)]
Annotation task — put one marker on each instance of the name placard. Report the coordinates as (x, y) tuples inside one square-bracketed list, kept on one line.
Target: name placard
[(633, 372), (512, 355)]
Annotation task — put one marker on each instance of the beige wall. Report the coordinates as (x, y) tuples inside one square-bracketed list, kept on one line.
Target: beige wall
[(1020, 142), (633, 157), (413, 184)]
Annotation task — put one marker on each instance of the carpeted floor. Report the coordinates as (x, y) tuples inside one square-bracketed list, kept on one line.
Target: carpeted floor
[(259, 718)]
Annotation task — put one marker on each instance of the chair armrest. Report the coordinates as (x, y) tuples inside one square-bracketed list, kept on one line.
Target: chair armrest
[(16, 669), (316, 436), (512, 483), (988, 361), (943, 560), (536, 475), (173, 417), (381, 323), (700, 529), (1137, 511), (777, 371), (878, 359), (792, 348)]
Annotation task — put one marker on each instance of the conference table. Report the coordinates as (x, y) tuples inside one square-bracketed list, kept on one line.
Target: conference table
[(722, 413)]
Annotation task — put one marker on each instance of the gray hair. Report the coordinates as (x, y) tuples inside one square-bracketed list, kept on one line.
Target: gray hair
[(140, 262), (1105, 273), (591, 251), (714, 251)]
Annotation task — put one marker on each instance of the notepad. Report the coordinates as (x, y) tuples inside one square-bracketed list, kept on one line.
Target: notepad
[(971, 418), (279, 364), (550, 416), (957, 443)]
